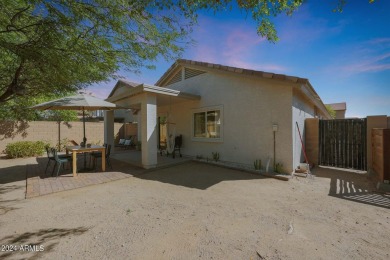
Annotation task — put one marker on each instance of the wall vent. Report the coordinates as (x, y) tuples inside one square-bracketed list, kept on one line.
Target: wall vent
[(175, 79), (189, 73)]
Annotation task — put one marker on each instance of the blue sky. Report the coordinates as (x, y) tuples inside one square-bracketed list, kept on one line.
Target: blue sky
[(346, 56)]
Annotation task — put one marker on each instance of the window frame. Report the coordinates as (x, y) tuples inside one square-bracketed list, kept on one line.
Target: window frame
[(205, 110)]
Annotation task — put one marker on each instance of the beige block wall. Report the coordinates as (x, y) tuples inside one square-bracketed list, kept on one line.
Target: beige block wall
[(251, 106), (373, 122), (388, 122), (48, 131), (312, 139)]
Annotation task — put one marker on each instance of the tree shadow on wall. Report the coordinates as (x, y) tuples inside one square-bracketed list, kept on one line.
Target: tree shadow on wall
[(10, 129), (48, 238)]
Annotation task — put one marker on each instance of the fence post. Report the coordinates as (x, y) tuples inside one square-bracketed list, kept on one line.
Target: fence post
[(312, 139), (373, 122)]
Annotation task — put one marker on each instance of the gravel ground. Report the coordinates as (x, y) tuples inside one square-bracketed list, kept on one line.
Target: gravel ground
[(197, 211)]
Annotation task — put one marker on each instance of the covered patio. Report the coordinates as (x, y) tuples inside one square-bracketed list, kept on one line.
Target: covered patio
[(144, 100)]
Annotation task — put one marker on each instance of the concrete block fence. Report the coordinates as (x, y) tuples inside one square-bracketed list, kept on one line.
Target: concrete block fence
[(50, 131)]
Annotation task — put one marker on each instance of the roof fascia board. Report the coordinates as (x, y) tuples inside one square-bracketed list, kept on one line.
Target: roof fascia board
[(133, 92), (143, 88), (307, 90), (169, 74)]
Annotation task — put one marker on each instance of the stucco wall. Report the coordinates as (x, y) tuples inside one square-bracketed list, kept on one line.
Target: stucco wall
[(340, 114), (251, 106), (48, 131), (301, 110), (127, 115)]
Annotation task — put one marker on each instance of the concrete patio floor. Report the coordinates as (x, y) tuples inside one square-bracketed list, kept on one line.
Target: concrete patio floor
[(134, 157)]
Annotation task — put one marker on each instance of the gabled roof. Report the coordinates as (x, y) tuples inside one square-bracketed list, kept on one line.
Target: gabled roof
[(308, 91), (208, 66), (338, 106), (123, 83), (136, 89)]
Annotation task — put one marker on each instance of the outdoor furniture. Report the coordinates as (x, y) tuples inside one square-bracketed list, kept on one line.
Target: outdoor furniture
[(120, 143), (96, 156), (78, 149), (126, 144), (178, 143), (92, 153), (177, 146), (73, 142), (59, 161), (50, 157)]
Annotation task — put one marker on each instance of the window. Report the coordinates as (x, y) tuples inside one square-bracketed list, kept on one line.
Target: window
[(207, 124)]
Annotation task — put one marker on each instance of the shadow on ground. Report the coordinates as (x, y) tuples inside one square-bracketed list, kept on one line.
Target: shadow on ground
[(196, 175), (48, 238), (6, 205), (12, 174), (352, 186)]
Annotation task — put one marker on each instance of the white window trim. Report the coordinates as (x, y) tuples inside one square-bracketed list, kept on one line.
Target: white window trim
[(205, 139)]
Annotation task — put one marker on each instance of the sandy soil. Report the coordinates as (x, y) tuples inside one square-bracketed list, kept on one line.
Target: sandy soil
[(198, 211)]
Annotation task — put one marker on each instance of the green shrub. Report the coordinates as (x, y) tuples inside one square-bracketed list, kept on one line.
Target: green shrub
[(25, 149)]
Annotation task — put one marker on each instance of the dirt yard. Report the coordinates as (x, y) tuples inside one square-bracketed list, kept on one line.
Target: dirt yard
[(198, 211)]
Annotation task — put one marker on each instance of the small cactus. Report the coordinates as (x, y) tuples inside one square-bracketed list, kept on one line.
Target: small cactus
[(257, 164), (215, 156), (279, 168)]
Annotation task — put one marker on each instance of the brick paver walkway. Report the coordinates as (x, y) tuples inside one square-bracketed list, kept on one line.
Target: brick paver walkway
[(39, 183)]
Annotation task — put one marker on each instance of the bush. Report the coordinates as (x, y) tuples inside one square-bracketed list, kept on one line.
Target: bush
[(25, 149)]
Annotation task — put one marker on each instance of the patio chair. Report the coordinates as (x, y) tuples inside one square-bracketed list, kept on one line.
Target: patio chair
[(120, 143), (99, 155), (60, 161), (91, 154), (73, 142), (178, 143), (127, 143), (50, 157)]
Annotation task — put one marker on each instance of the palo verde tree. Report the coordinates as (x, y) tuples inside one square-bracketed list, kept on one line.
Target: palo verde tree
[(57, 46), (16, 109)]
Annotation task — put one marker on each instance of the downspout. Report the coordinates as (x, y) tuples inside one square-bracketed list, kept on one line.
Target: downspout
[(274, 129)]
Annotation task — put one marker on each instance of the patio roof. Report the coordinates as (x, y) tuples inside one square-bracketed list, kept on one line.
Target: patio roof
[(164, 95)]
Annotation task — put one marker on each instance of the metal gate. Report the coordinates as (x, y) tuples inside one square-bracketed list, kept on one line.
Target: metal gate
[(343, 143)]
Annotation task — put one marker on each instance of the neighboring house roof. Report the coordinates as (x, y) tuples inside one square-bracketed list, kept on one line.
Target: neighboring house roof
[(306, 86), (338, 106)]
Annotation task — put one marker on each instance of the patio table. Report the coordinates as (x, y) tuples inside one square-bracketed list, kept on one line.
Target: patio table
[(79, 149)]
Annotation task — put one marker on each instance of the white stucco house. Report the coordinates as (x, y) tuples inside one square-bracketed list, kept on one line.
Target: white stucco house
[(233, 111)]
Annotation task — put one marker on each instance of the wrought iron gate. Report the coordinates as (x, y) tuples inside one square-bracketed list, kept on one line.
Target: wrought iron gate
[(343, 143)]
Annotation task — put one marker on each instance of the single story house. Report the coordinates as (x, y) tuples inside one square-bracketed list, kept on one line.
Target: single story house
[(242, 114)]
